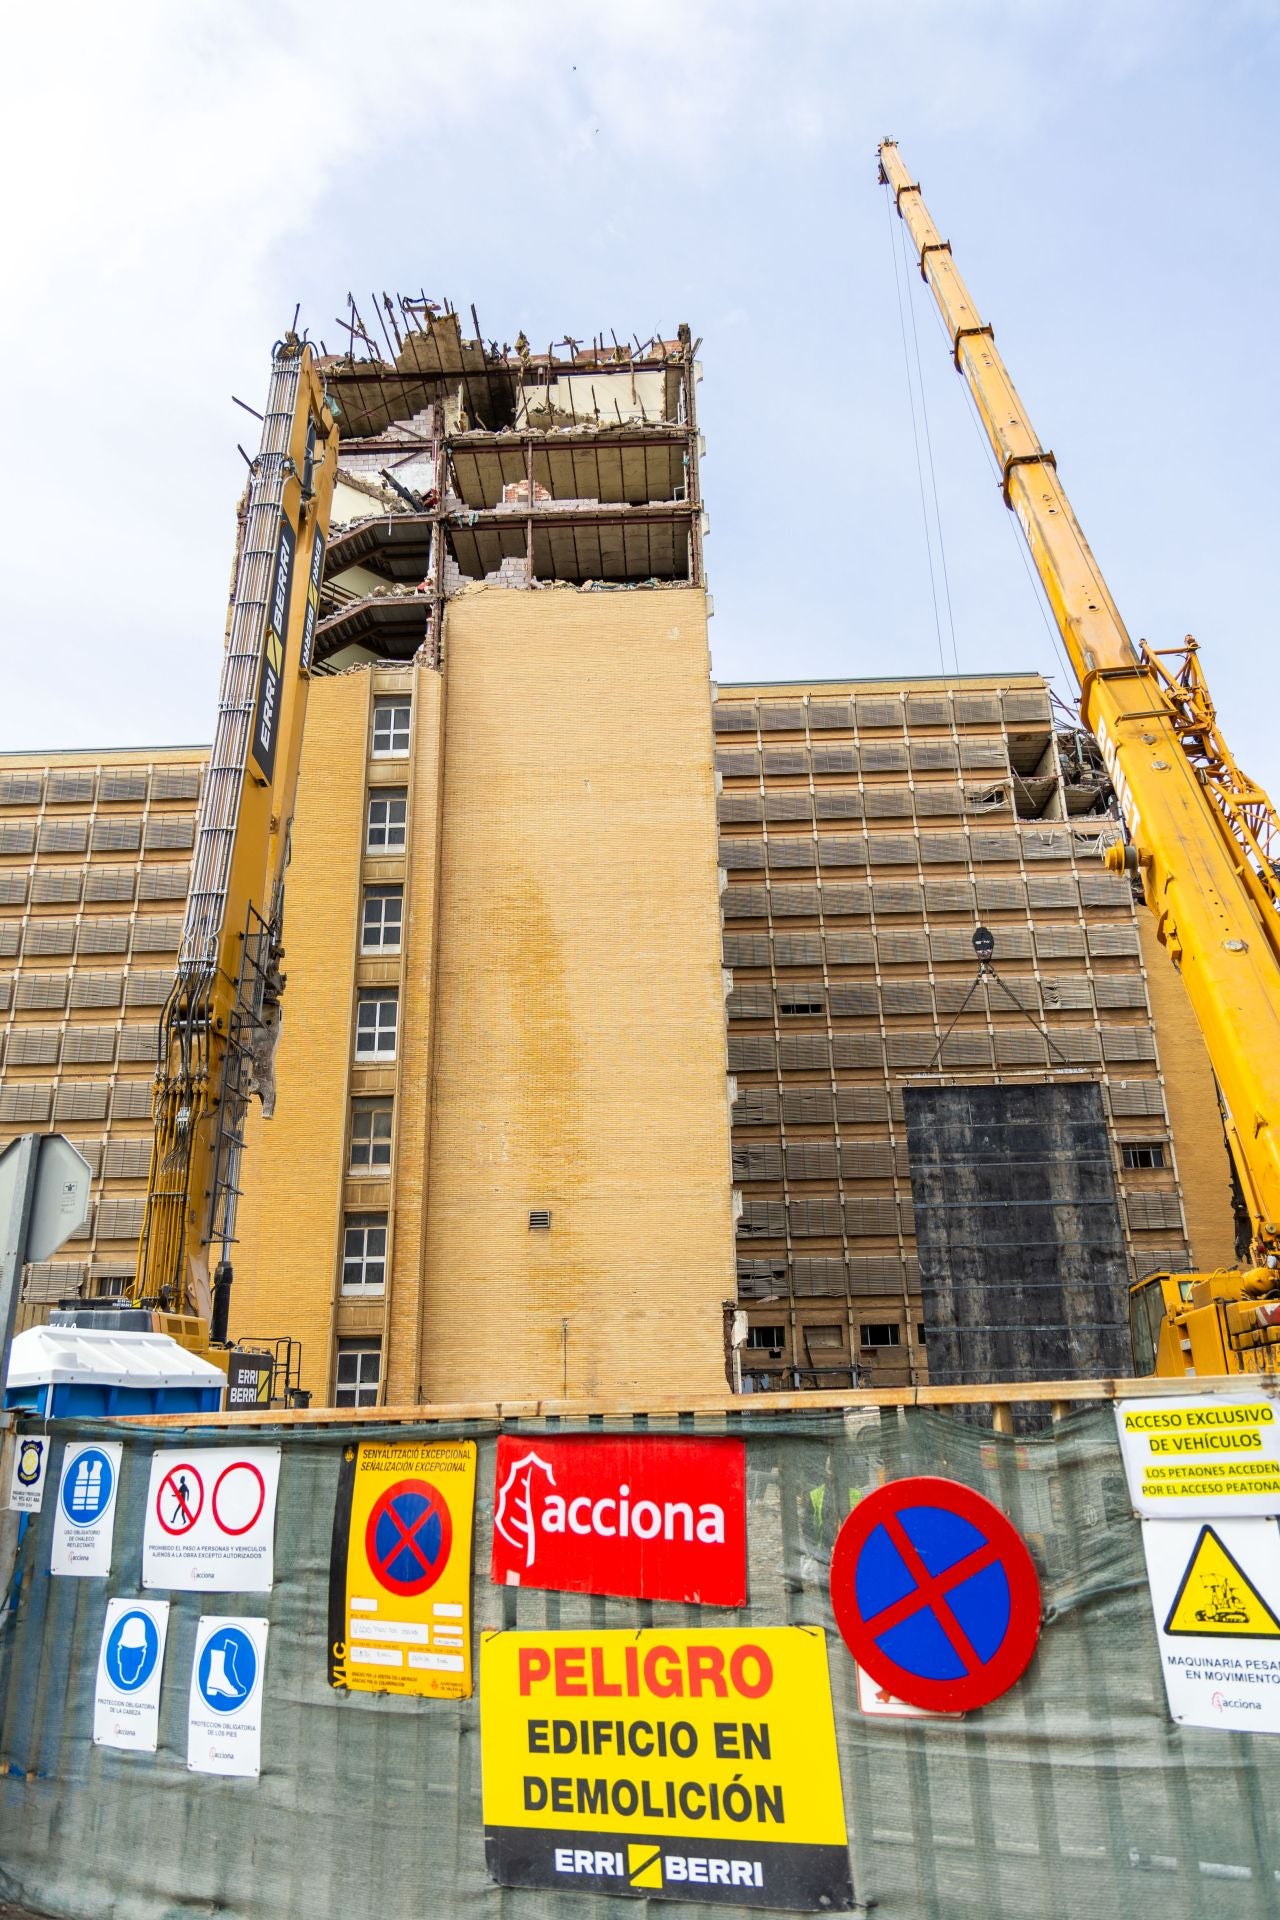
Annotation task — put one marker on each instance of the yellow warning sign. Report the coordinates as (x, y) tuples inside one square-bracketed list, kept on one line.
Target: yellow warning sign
[(1215, 1596), (1202, 1456)]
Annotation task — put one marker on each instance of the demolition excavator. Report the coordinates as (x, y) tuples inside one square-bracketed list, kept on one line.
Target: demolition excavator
[(1201, 838), (217, 1033)]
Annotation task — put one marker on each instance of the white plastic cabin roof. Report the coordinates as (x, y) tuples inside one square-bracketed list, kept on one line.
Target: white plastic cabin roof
[(92, 1356)]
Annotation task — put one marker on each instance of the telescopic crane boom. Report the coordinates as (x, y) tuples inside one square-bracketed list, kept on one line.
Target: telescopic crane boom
[(1204, 839), (218, 1028)]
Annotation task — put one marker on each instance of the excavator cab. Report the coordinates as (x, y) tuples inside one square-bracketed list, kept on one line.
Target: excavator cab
[(1198, 1324), (1153, 1332)]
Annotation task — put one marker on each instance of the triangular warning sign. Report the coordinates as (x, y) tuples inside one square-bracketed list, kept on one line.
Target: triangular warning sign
[(1216, 1597)]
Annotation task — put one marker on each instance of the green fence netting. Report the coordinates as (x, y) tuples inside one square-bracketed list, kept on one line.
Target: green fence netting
[(1073, 1796)]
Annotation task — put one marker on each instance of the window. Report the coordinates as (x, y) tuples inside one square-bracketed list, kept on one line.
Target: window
[(775, 1337), (800, 1000), (390, 728), (880, 1333), (383, 914), (364, 1253), (359, 1364), (370, 1136), (1142, 1153), (824, 1336), (388, 810), (377, 1017)]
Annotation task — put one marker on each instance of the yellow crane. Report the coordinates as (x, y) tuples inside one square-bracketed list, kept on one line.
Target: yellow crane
[(217, 1032), (1203, 838)]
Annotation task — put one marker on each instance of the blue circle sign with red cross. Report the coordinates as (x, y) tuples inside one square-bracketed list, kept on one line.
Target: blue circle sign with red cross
[(935, 1594), (408, 1537)]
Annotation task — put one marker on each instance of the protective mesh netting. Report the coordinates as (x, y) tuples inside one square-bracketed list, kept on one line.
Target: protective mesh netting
[(1073, 1796)]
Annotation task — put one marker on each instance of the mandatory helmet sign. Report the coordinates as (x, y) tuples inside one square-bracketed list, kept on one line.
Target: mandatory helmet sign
[(409, 1537), (132, 1650), (935, 1594)]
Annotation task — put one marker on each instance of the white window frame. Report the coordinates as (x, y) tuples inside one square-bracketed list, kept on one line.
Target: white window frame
[(370, 1109), (379, 820), (377, 1029), (379, 897), (364, 1255), (361, 1389), (397, 712)]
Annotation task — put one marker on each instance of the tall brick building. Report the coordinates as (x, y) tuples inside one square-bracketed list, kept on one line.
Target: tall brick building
[(501, 1164)]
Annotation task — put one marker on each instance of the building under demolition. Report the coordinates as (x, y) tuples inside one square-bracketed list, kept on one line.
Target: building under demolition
[(500, 1165)]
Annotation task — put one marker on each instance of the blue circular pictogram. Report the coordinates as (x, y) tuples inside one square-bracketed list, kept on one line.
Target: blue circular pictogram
[(935, 1594), (87, 1486), (228, 1670), (133, 1648), (408, 1537)]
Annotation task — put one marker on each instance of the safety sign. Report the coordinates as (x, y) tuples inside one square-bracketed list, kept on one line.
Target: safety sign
[(879, 1704), (935, 1594), (126, 1701), (657, 1517), (688, 1764), (1189, 1459), (26, 1483), (400, 1569), (224, 1722), (1215, 1592), (86, 1511), (211, 1520)]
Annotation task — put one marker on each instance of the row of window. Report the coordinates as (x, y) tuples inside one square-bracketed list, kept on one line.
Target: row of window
[(874, 1336), (364, 1235)]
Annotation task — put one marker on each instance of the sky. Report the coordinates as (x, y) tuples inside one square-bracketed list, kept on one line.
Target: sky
[(181, 176)]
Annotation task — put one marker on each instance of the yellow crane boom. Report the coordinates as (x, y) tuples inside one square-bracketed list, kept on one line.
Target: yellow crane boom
[(1204, 839), (218, 1028)]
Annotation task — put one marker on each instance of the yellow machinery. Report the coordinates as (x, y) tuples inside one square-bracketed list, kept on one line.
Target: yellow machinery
[(1204, 839), (217, 1033)]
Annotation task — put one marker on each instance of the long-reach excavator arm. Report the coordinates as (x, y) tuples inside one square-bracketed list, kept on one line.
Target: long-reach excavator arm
[(1204, 839), (217, 1032)]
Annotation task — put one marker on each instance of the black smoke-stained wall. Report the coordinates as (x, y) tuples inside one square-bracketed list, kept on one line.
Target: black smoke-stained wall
[(1022, 1257)]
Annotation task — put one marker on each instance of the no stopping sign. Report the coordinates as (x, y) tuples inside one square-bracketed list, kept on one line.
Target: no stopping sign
[(935, 1594)]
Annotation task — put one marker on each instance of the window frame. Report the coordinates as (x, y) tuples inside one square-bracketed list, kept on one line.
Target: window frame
[(381, 895), (359, 1391), (1157, 1162), (387, 797), (372, 1106), (380, 997), (391, 703), (362, 1259), (757, 1344), (892, 1345)]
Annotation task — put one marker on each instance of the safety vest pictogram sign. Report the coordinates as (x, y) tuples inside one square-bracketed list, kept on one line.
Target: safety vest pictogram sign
[(84, 1520), (1215, 1597), (935, 1594), (210, 1525)]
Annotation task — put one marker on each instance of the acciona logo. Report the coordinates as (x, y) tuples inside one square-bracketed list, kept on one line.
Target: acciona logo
[(518, 1516), (660, 1519)]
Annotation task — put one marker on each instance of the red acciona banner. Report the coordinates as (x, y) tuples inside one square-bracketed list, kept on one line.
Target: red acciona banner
[(645, 1517)]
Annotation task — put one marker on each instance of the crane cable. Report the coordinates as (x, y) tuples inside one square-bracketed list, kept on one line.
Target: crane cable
[(1033, 580), (915, 435), (928, 441)]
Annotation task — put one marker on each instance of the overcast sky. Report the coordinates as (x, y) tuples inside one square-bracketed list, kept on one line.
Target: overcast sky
[(179, 175)]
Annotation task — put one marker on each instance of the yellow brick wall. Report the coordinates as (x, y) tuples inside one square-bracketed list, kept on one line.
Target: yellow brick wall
[(1203, 1166), (286, 1262), (580, 1049)]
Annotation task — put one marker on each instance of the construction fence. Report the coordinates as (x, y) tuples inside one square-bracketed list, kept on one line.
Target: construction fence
[(1074, 1794)]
